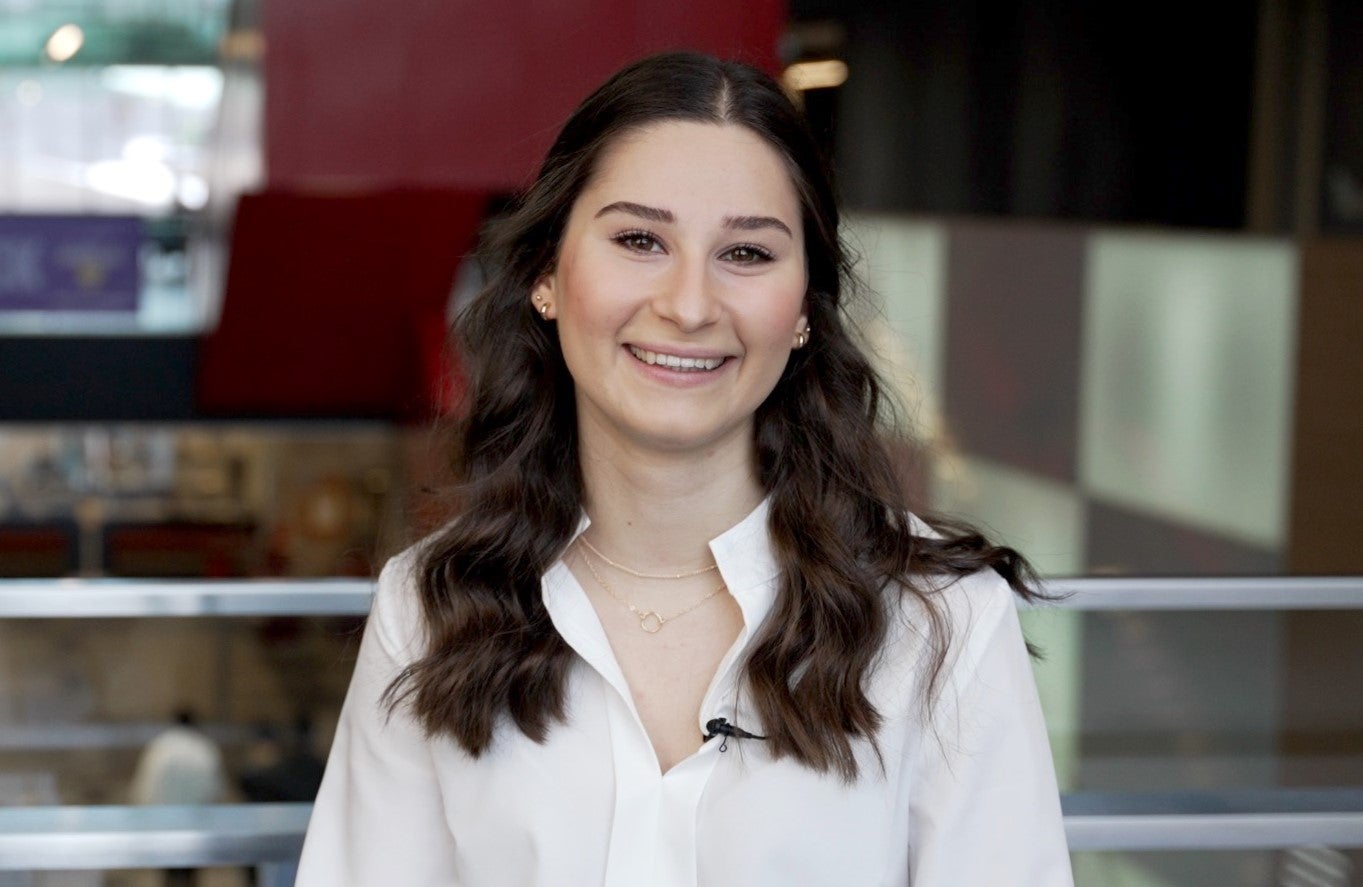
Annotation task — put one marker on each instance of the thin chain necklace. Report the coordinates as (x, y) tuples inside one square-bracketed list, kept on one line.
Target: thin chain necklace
[(650, 621), (638, 575)]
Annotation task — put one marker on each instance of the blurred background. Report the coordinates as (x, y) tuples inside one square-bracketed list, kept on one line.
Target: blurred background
[(1115, 269)]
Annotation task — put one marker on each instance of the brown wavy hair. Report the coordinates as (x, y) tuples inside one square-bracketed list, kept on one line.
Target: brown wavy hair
[(838, 509)]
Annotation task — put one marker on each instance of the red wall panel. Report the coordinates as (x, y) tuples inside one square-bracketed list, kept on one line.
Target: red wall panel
[(335, 304), (462, 93)]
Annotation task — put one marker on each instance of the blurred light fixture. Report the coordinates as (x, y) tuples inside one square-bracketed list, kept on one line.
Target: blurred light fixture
[(140, 175), (192, 191), (187, 86), (145, 149), (64, 43), (815, 75)]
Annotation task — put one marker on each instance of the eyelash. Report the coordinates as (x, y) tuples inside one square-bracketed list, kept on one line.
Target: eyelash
[(760, 254), (628, 239), (624, 238)]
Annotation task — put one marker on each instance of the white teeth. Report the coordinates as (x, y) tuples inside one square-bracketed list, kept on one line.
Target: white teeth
[(672, 361)]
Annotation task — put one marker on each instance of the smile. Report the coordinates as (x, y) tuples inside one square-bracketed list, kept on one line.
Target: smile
[(673, 362)]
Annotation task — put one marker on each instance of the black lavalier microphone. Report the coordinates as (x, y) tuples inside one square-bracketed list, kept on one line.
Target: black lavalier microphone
[(721, 727)]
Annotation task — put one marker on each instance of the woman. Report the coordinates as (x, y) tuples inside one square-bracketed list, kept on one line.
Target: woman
[(679, 520)]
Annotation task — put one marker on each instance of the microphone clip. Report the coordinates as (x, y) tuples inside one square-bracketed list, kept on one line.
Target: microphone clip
[(721, 727)]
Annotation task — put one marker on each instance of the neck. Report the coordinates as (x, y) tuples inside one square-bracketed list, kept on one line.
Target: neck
[(657, 511)]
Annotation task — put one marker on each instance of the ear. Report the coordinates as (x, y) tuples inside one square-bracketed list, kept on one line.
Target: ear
[(542, 297)]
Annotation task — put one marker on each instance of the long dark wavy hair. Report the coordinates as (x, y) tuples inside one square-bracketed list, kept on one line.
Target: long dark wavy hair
[(838, 517)]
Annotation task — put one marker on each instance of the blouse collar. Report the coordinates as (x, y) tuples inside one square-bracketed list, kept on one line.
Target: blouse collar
[(743, 553)]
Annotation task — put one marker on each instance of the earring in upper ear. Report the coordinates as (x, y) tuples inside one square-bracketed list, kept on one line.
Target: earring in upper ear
[(801, 338)]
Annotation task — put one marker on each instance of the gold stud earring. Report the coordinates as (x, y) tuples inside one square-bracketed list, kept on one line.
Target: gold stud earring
[(544, 310), (801, 338)]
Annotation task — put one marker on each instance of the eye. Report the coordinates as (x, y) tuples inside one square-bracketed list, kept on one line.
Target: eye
[(748, 254), (638, 241)]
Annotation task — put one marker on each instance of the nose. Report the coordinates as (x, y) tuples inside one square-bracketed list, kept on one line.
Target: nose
[(688, 296)]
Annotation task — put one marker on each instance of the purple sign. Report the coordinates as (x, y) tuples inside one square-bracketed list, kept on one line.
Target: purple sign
[(69, 263)]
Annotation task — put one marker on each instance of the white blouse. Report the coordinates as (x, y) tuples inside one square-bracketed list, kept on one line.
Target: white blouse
[(966, 800)]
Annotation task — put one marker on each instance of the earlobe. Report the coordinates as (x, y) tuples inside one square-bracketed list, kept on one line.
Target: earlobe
[(542, 297)]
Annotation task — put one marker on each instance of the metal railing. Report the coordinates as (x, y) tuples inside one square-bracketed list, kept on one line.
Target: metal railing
[(1239, 819), (269, 836), (1210, 593), (133, 598), (266, 837), (105, 598)]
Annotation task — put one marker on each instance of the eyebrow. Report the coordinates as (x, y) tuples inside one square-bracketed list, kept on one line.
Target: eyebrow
[(651, 213), (664, 216), (756, 223)]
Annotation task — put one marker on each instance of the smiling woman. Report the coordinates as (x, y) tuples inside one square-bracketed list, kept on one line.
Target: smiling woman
[(679, 291), (679, 519)]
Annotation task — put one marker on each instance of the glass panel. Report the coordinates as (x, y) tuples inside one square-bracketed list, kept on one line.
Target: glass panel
[(83, 703), (206, 500), (903, 264), (117, 139), (1187, 379), (1039, 516), (1163, 701), (1119, 387), (132, 108)]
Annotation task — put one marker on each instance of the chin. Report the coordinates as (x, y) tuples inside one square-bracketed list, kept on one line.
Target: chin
[(686, 437)]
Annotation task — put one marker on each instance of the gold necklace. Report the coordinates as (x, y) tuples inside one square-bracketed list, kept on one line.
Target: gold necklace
[(650, 621), (638, 575)]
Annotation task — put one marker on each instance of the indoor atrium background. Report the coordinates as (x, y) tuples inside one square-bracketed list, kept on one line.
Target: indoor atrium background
[(1114, 273)]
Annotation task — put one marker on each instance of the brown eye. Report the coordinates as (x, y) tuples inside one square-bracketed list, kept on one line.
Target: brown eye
[(638, 241), (748, 254)]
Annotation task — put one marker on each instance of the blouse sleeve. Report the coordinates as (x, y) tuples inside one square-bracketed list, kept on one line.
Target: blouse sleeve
[(984, 806), (378, 819)]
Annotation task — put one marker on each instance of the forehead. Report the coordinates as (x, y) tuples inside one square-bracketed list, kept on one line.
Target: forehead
[(706, 168)]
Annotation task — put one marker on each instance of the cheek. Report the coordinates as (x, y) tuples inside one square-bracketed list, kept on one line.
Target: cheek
[(772, 313), (594, 299)]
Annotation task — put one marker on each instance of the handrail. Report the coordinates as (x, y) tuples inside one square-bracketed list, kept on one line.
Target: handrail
[(110, 837), (1227, 819), (70, 838), (81, 735), (1209, 593), (104, 598)]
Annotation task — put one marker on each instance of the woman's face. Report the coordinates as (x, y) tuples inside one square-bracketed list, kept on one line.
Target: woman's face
[(679, 286)]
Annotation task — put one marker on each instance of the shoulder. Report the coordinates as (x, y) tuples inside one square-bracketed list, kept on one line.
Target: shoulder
[(970, 600), (967, 608), (960, 615), (396, 616)]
